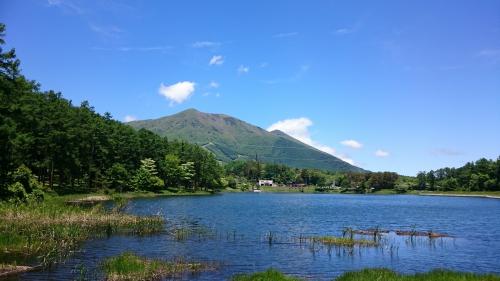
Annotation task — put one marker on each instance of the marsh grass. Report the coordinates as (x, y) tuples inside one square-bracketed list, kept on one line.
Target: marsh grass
[(435, 275), (129, 266), (376, 274), (47, 232), (268, 275), (344, 241)]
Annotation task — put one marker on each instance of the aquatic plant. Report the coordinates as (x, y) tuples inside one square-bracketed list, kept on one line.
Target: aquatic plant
[(49, 231), (344, 242), (375, 274), (435, 275), (129, 266), (268, 275)]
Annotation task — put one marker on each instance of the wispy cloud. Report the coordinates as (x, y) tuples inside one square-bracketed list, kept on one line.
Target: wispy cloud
[(213, 85), (205, 44), (492, 55), (243, 69), (303, 69), (489, 53), (216, 60), (67, 6), (129, 118), (298, 128), (348, 30), (352, 144), (446, 152), (381, 153), (285, 34), (136, 49), (178, 92), (111, 31)]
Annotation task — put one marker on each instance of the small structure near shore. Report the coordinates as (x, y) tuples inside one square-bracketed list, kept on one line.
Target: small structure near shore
[(265, 183)]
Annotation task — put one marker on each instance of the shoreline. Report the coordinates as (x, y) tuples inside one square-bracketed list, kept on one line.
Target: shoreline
[(461, 195)]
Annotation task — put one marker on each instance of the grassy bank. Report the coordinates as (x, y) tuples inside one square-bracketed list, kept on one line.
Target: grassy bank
[(375, 274), (129, 266), (492, 194), (44, 233)]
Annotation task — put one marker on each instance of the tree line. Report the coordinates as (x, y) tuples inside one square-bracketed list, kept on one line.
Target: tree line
[(44, 137), (481, 175), (247, 173)]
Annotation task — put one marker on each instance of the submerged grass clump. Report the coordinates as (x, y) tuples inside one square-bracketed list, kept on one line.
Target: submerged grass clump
[(129, 266), (344, 241), (47, 232), (268, 275)]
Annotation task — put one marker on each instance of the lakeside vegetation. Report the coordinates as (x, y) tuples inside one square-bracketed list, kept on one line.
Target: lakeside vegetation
[(480, 177), (375, 274), (46, 232), (131, 267)]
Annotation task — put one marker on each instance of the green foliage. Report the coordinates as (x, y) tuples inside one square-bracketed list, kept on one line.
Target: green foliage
[(232, 139), (269, 275), (482, 175), (146, 177), (17, 192), (381, 274), (129, 266), (45, 232), (73, 149), (118, 177), (435, 275)]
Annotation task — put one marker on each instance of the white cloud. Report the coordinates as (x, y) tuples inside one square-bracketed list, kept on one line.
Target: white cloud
[(135, 49), (243, 69), (381, 153), (285, 35), (106, 31), (129, 118), (213, 85), (178, 92), (264, 64), (216, 60), (298, 128), (349, 30), (352, 144), (343, 31), (489, 53), (446, 152), (205, 44)]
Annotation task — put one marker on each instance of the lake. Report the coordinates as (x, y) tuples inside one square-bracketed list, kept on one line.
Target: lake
[(232, 230)]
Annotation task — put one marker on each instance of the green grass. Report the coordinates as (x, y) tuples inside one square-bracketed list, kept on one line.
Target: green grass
[(305, 189), (459, 192), (435, 275), (44, 233), (129, 266), (344, 242), (375, 275), (269, 275)]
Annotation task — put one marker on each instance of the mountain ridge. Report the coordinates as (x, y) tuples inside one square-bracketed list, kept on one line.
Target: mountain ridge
[(230, 138)]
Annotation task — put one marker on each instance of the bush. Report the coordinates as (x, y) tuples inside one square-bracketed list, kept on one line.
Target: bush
[(17, 192)]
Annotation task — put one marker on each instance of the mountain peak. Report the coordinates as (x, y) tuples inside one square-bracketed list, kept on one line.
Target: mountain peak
[(230, 139)]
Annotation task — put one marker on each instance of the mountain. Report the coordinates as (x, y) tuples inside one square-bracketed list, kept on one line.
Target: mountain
[(231, 139)]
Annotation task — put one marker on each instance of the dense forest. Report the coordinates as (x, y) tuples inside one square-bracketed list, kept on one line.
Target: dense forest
[(47, 141), (482, 175)]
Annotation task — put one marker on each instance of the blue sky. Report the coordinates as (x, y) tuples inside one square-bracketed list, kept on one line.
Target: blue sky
[(390, 85)]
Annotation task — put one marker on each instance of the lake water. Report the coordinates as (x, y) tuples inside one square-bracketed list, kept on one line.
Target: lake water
[(232, 230)]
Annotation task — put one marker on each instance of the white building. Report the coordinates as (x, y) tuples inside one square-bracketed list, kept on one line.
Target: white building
[(266, 183)]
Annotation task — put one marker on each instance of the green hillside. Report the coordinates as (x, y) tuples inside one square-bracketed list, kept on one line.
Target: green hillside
[(231, 139)]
